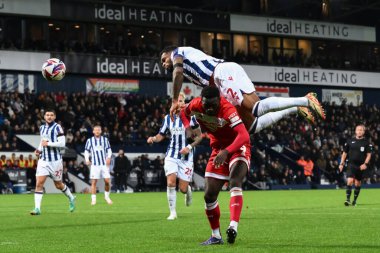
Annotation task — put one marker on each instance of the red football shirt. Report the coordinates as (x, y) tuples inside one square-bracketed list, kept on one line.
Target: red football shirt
[(220, 127)]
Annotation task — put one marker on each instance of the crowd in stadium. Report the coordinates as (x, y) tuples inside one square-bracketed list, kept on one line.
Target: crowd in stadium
[(129, 120)]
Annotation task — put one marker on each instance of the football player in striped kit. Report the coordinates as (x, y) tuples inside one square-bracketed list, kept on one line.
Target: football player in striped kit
[(235, 86), (50, 161), (99, 149), (179, 156)]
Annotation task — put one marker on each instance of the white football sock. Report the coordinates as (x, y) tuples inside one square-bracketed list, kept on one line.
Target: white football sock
[(273, 104), (93, 197), (234, 225), (270, 118), (38, 199), (216, 233), (106, 195), (172, 198), (67, 192)]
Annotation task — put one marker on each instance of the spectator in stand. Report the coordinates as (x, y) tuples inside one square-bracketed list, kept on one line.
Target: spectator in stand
[(299, 178), (137, 170), (3, 161), (13, 159), (31, 171), (5, 181), (121, 168), (308, 166), (287, 176), (16, 165), (22, 163)]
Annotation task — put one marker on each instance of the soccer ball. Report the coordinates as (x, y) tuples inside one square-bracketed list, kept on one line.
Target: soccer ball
[(53, 69)]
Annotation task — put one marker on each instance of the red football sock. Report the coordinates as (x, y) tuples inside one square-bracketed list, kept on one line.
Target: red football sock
[(213, 214), (236, 203)]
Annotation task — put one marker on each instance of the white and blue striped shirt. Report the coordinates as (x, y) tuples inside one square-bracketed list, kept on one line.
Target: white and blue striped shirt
[(99, 148), (198, 67), (178, 136), (51, 132)]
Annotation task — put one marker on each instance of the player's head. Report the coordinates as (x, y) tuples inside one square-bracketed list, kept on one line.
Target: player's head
[(181, 99), (49, 115), (97, 130), (210, 100), (165, 57), (359, 131)]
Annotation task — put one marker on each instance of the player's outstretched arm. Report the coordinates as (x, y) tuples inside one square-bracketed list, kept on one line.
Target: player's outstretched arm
[(156, 138), (177, 84)]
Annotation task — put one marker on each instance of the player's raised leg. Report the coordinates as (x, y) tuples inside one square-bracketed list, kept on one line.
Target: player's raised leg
[(269, 119), (255, 125), (277, 103)]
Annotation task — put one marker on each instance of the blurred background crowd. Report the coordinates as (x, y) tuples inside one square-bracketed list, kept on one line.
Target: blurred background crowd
[(129, 120)]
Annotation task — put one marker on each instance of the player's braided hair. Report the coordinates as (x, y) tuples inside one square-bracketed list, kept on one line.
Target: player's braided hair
[(210, 92)]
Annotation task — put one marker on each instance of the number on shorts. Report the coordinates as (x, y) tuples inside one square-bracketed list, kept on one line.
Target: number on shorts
[(243, 150), (232, 93), (188, 171), (58, 173)]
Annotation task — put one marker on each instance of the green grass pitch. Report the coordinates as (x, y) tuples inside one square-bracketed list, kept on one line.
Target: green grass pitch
[(272, 221)]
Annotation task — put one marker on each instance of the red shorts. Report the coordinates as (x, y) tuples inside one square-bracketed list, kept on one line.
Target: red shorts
[(223, 172)]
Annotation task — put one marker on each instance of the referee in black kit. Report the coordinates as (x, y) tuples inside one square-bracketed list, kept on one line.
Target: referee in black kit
[(359, 151)]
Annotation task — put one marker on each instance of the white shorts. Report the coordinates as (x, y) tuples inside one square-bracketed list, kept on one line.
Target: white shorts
[(52, 169), (232, 82), (183, 169), (99, 171)]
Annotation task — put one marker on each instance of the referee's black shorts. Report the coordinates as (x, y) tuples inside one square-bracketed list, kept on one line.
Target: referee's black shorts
[(354, 171)]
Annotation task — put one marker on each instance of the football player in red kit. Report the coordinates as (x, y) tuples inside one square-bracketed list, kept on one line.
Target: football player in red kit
[(229, 160)]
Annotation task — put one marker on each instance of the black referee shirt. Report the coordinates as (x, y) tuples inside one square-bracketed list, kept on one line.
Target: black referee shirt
[(357, 150)]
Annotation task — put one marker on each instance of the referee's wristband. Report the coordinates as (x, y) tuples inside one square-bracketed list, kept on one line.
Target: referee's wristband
[(189, 147)]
